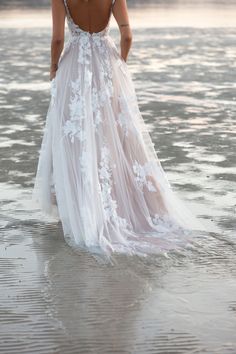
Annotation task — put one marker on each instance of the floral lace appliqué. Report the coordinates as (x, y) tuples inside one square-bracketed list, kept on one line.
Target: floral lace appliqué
[(97, 104), (128, 109), (53, 90), (141, 174), (109, 204), (84, 91), (84, 49), (164, 223), (85, 166), (73, 127)]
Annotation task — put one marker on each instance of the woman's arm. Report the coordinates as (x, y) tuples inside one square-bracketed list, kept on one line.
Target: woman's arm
[(58, 29), (120, 13)]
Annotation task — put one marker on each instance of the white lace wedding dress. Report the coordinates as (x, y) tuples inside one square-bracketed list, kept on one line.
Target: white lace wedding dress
[(98, 170)]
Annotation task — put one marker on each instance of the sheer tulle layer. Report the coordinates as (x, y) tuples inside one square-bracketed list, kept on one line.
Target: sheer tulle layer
[(98, 170)]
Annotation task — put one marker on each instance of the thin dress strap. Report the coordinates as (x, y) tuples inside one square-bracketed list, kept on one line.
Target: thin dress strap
[(113, 2), (67, 10)]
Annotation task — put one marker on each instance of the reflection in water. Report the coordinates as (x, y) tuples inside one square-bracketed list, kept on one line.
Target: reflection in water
[(68, 302)]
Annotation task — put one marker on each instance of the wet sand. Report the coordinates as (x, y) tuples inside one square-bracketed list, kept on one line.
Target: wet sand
[(57, 300)]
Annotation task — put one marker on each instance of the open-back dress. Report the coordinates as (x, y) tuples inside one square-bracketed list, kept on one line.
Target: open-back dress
[(98, 171)]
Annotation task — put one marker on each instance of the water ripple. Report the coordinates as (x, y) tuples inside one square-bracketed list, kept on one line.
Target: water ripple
[(58, 300)]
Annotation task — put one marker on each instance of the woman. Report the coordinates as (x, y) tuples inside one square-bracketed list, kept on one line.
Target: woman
[(97, 167)]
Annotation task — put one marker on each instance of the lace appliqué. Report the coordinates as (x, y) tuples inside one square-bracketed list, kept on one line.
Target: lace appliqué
[(84, 49), (109, 204), (85, 166), (165, 223), (100, 43), (141, 174), (128, 109), (98, 101), (74, 126), (83, 88), (53, 91)]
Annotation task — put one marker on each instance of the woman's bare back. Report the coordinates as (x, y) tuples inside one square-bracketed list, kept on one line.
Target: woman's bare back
[(90, 15)]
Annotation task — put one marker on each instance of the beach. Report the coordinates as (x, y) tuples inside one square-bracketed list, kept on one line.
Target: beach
[(55, 299)]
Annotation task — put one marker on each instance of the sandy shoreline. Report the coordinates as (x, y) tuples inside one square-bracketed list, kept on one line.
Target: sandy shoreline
[(56, 300)]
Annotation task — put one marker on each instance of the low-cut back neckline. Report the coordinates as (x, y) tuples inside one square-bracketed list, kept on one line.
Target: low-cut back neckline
[(81, 29)]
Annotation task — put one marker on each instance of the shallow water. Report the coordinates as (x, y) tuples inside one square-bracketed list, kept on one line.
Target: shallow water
[(57, 300)]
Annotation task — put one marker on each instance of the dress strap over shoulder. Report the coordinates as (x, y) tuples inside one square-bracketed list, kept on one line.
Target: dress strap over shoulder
[(67, 9), (113, 2)]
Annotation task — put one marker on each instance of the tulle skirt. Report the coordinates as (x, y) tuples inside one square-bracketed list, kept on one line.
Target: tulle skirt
[(98, 172)]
